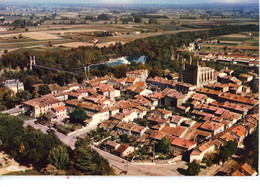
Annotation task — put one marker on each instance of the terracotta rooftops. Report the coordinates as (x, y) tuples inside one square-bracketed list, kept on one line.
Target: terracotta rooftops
[(138, 129), (211, 126), (43, 101), (125, 126), (112, 144), (122, 148), (248, 169), (239, 131), (174, 131), (59, 108), (180, 142)]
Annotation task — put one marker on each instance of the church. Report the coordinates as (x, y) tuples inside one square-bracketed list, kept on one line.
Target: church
[(196, 74)]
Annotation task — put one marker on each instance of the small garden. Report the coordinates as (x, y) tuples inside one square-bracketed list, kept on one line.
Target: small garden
[(67, 128)]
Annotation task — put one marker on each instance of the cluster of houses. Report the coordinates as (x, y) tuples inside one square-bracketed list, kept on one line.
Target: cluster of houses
[(218, 112), (235, 58)]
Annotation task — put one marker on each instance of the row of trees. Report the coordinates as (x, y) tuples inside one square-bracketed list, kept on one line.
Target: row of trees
[(47, 153)]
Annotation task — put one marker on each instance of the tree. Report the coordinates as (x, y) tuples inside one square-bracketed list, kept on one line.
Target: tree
[(89, 162), (251, 148), (51, 170), (124, 21), (153, 21), (193, 168), (224, 154), (124, 138), (119, 71), (103, 17), (59, 157), (22, 96), (44, 89), (163, 145), (138, 19), (78, 116), (232, 146)]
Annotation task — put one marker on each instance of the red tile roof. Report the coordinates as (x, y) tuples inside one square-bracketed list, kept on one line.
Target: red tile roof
[(59, 108), (180, 142), (211, 126), (239, 131)]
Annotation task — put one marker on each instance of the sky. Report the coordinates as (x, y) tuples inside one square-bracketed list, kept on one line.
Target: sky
[(133, 1)]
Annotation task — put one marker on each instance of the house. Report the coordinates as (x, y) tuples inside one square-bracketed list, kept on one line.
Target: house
[(212, 127), (138, 130), (181, 145), (60, 112), (73, 86), (173, 98), (218, 87), (157, 135), (124, 128), (196, 135), (201, 150), (229, 79), (240, 132), (159, 82), (111, 146), (139, 75), (14, 85), (106, 90), (176, 120), (156, 98), (103, 114), (154, 118), (164, 113), (78, 93), (243, 170), (245, 77), (56, 89), (126, 116), (124, 150), (42, 105), (233, 98), (62, 96), (178, 131), (184, 88), (130, 81)]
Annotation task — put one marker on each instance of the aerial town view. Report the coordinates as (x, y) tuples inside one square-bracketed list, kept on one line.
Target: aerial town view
[(129, 88)]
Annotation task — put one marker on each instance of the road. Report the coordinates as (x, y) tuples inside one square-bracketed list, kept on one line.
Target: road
[(135, 169), (119, 164)]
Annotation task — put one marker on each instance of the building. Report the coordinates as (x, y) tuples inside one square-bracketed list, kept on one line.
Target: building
[(60, 112), (243, 170), (124, 150), (196, 75), (42, 105), (139, 75), (14, 85)]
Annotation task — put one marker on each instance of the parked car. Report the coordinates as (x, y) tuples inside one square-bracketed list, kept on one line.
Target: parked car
[(50, 130)]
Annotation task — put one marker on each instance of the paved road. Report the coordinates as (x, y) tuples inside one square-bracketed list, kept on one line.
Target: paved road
[(134, 169), (119, 164)]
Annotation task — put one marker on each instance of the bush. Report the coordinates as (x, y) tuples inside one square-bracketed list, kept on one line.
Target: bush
[(193, 168)]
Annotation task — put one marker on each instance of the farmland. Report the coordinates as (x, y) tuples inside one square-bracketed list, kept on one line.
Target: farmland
[(42, 29)]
